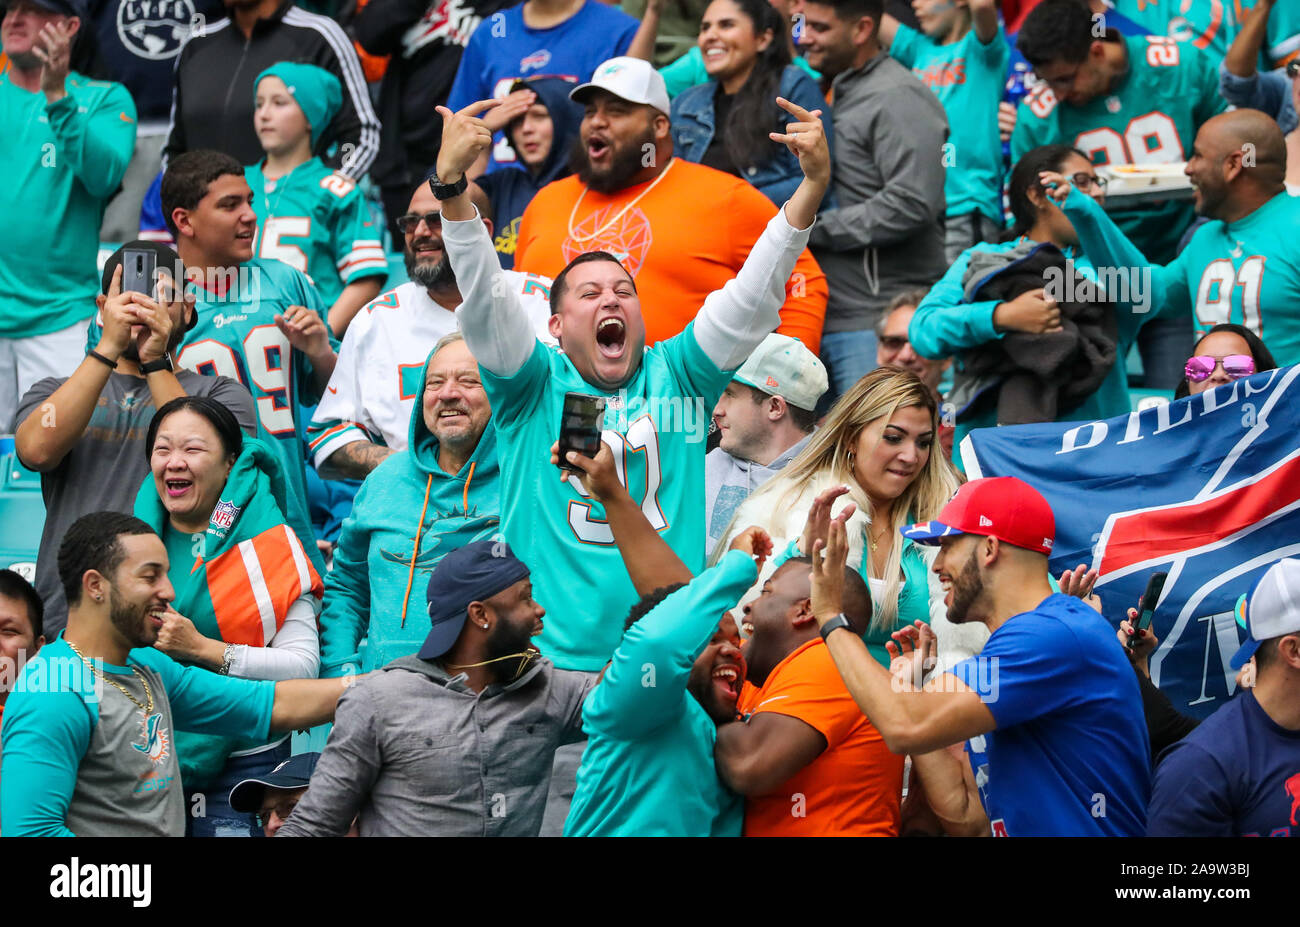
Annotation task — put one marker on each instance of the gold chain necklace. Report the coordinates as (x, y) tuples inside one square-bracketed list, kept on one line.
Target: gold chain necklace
[(148, 692), (573, 236)]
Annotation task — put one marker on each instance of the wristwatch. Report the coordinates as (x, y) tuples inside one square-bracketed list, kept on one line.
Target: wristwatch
[(445, 191), (153, 366), (839, 621)]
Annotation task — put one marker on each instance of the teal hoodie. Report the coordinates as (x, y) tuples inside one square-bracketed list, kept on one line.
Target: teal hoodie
[(648, 766), (378, 585)]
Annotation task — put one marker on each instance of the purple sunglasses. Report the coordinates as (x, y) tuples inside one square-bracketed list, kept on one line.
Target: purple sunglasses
[(1235, 366)]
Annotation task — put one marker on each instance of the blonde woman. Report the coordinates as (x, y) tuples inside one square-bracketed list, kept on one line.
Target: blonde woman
[(878, 440)]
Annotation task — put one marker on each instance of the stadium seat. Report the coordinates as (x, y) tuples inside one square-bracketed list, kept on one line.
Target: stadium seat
[(22, 512)]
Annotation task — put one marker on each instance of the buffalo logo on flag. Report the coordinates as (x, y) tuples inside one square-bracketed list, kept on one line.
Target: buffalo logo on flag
[(1206, 489)]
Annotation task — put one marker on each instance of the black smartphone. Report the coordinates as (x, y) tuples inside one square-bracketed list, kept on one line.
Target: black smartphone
[(580, 425), (139, 268), (1147, 605)]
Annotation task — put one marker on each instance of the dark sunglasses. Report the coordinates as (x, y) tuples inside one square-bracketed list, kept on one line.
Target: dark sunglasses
[(1235, 366), (893, 342), (408, 222)]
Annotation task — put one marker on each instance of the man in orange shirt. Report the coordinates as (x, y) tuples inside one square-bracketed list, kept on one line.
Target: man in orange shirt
[(806, 759), (681, 229)]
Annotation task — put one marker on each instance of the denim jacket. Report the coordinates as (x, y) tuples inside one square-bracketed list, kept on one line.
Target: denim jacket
[(776, 178)]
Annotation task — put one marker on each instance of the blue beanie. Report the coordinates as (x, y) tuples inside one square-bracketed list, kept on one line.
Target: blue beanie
[(317, 92)]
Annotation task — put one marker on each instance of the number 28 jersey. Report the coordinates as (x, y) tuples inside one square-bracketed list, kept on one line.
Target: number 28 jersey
[(1151, 117)]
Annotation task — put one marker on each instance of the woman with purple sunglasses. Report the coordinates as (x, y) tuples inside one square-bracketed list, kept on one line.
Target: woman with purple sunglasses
[(1225, 353)]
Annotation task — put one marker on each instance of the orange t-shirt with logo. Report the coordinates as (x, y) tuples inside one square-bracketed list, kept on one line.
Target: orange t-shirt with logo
[(854, 788), (680, 242)]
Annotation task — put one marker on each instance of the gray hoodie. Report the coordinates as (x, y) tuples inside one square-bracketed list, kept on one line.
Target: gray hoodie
[(416, 753), (728, 481), (887, 234)]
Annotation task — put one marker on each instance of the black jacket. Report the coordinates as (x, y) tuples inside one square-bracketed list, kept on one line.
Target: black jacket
[(425, 39), (212, 105), (1032, 377)]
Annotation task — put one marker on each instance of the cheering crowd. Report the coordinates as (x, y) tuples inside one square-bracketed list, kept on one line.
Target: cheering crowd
[(806, 252)]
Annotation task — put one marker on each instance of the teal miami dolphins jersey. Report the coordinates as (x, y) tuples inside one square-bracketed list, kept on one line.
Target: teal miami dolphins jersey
[(1151, 118), (1247, 272), (967, 77), (1213, 24), (656, 426), (319, 223)]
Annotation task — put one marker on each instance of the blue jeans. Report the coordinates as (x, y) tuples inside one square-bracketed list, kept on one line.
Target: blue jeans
[(219, 819), (848, 356)]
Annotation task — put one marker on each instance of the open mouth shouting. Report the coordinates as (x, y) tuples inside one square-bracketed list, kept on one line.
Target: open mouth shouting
[(598, 147), (611, 337), (727, 679), (178, 487)]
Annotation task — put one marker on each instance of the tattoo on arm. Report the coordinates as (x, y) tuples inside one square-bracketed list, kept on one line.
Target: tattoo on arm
[(353, 461)]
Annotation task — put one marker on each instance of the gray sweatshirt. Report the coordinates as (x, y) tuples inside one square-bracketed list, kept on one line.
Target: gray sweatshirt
[(887, 234), (728, 481), (417, 753)]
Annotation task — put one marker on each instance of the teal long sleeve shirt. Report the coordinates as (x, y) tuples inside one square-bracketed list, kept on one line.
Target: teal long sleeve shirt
[(648, 768)]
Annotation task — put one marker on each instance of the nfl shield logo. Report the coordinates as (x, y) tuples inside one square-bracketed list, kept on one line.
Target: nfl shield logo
[(224, 515)]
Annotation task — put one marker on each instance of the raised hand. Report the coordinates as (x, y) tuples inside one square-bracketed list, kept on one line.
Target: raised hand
[(818, 522), (756, 542), (913, 652), (511, 107), (598, 476), (806, 140), (464, 137), (53, 48), (829, 558), (305, 330), (1079, 583), (1057, 186)]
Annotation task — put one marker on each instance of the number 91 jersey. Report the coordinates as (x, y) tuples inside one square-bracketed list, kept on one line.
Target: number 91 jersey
[(1150, 118)]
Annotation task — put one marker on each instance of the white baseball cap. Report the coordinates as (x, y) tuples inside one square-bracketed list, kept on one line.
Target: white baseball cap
[(631, 79), (1271, 608), (782, 366)]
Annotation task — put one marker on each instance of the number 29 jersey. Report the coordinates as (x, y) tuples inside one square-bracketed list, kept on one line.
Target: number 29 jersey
[(1151, 117)]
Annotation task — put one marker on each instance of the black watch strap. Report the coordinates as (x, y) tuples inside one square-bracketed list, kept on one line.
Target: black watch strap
[(162, 363), (839, 621), (445, 191)]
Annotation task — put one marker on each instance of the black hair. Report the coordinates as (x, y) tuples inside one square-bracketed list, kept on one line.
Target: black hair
[(560, 283), (1262, 356), (852, 10), (218, 416), (1024, 177), (188, 177), (15, 587), (647, 603), (1056, 29), (753, 114), (91, 543), (856, 600), (804, 419)]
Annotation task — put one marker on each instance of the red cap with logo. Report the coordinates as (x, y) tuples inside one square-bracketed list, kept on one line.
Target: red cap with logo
[(1001, 507)]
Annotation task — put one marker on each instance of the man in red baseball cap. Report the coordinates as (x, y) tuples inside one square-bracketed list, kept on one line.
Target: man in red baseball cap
[(1051, 697)]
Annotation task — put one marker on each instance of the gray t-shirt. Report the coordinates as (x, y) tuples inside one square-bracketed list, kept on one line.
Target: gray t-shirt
[(104, 469), (728, 481)]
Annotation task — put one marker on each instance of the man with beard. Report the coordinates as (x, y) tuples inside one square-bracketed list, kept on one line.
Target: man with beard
[(803, 755), (1051, 692), (1243, 266), (458, 740), (365, 414), (439, 494), (682, 230), (88, 733), (85, 433)]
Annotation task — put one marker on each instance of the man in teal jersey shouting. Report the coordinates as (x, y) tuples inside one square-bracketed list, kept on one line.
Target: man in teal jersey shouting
[(1244, 265)]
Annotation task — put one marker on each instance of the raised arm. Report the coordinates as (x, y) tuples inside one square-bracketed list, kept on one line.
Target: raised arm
[(496, 327), (1243, 53), (643, 43), (984, 20), (650, 562), (736, 318)]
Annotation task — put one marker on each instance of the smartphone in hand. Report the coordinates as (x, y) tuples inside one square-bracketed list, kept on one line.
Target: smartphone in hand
[(1147, 605), (580, 425), (139, 270)]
